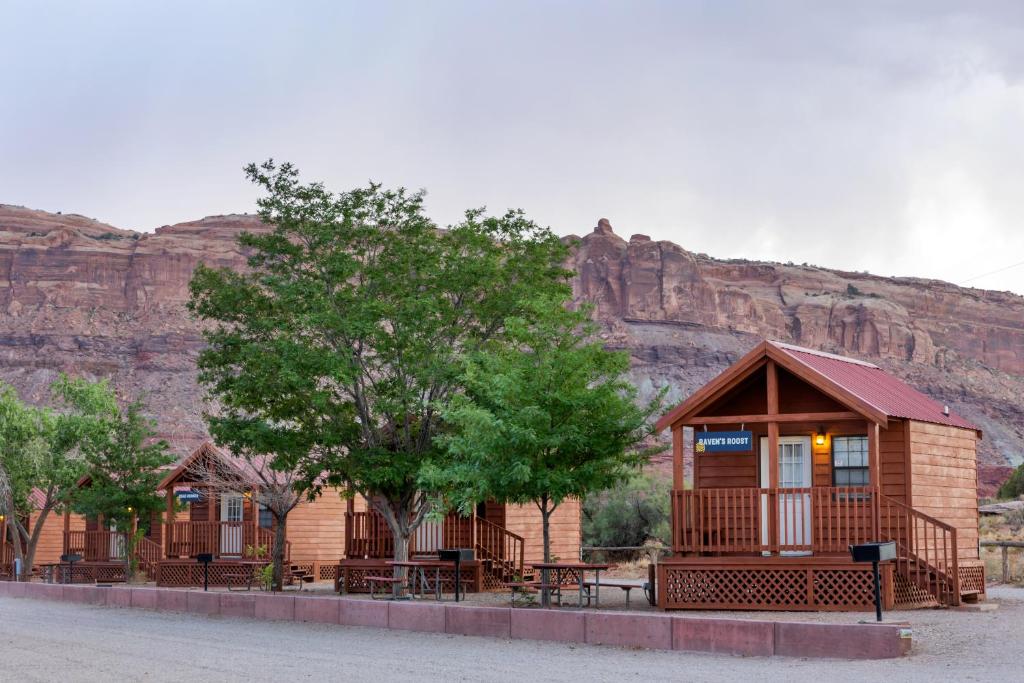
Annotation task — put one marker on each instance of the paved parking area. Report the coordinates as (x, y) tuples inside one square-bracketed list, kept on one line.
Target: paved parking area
[(46, 641)]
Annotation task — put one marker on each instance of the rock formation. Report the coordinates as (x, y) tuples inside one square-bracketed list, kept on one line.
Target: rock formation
[(80, 296)]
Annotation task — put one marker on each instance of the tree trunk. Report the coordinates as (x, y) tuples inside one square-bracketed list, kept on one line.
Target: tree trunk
[(545, 574), (280, 536)]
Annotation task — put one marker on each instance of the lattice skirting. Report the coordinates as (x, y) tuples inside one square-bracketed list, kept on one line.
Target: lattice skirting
[(190, 573), (972, 578), (328, 572), (908, 595), (770, 588)]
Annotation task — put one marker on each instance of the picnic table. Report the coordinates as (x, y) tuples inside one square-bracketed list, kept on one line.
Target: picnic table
[(418, 574), (570, 574)]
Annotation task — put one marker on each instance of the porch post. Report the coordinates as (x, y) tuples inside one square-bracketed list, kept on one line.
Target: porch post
[(773, 456), (677, 459), (169, 521), (67, 531), (874, 476)]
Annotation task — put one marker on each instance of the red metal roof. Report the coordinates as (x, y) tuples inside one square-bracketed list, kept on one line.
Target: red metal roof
[(874, 386)]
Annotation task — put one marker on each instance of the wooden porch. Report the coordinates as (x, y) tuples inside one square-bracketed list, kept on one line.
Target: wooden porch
[(369, 545)]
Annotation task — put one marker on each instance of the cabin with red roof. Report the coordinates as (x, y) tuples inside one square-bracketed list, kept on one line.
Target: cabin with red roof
[(334, 537), (797, 454)]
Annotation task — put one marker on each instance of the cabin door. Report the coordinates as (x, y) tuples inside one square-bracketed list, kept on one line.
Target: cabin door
[(231, 525), (794, 509)]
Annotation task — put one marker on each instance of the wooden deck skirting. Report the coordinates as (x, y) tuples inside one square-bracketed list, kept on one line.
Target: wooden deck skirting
[(812, 583)]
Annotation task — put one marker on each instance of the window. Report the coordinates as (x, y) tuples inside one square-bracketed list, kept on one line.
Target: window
[(266, 518), (850, 461)]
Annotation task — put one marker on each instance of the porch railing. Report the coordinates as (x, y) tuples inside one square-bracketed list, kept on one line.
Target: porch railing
[(759, 520), (149, 553), (97, 546), (188, 539)]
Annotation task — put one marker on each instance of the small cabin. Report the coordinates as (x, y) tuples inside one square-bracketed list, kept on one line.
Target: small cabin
[(796, 455)]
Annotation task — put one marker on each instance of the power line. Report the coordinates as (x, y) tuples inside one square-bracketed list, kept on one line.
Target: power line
[(998, 270)]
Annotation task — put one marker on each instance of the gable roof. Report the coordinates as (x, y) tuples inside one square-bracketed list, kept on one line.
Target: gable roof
[(246, 468), (863, 387)]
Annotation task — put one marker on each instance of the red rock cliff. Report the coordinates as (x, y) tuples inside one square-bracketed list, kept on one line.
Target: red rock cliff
[(81, 296)]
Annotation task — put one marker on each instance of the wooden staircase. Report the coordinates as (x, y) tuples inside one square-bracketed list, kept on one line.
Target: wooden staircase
[(928, 568), (501, 553)]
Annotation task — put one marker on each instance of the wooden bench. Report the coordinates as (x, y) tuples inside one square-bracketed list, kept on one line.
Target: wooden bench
[(300, 577), (531, 587), (614, 584), (375, 581)]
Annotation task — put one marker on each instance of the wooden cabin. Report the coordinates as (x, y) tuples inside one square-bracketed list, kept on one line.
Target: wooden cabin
[(201, 519), (797, 454)]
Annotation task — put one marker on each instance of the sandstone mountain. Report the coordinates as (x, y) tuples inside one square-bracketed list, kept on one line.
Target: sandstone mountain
[(80, 296)]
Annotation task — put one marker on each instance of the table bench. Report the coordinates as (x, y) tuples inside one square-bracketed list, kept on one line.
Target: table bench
[(375, 581), (615, 584), (531, 587)]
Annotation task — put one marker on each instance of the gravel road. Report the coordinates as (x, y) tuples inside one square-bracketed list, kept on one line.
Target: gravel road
[(44, 641)]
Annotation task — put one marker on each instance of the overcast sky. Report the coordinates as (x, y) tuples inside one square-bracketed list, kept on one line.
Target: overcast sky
[(862, 137)]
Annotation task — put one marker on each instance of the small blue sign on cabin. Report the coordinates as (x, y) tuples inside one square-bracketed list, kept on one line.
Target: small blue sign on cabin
[(723, 442), (190, 496)]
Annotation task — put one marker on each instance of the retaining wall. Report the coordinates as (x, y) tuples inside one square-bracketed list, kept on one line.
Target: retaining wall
[(623, 629)]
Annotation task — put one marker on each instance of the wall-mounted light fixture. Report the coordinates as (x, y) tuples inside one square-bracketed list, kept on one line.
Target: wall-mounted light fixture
[(820, 438)]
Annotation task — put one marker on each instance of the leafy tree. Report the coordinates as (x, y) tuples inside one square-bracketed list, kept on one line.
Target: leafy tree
[(1014, 486), (339, 348), (123, 464), (630, 514), (546, 416), (41, 455)]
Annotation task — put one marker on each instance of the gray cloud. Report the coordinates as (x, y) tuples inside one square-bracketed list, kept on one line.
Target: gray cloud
[(861, 136)]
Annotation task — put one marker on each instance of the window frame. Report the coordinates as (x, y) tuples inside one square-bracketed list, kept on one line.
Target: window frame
[(832, 461)]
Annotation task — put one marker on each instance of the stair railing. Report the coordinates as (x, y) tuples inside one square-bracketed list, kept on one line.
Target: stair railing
[(926, 549)]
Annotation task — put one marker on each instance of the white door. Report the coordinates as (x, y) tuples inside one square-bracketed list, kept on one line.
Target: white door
[(794, 513), (429, 537), (231, 531)]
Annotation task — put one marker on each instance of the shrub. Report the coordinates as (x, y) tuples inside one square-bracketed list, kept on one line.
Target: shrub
[(1014, 486), (629, 514)]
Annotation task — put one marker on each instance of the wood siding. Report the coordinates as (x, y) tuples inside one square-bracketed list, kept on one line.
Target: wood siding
[(316, 529), (51, 540), (944, 479), (525, 521)]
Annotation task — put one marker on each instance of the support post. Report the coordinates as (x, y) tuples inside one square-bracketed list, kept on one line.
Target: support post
[(169, 522), (678, 476), (874, 476), (773, 455)]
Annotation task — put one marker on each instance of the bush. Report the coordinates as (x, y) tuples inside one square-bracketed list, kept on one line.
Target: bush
[(1014, 486), (630, 514)]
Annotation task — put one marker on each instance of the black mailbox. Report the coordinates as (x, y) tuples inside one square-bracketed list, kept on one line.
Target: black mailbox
[(205, 559), (70, 558), (458, 556), (873, 552)]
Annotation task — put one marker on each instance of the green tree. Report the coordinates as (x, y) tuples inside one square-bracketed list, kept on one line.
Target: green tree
[(41, 458), (1014, 486), (546, 415), (339, 347), (123, 465)]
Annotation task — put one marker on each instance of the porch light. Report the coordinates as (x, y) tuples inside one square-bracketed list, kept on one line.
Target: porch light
[(820, 439)]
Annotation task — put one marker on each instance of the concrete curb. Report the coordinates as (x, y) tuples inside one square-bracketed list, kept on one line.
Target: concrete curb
[(622, 629)]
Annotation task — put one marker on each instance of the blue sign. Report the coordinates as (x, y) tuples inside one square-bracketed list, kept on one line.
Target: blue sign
[(190, 496), (723, 442)]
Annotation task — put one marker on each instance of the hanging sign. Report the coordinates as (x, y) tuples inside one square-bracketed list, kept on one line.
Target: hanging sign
[(189, 496), (723, 442)]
